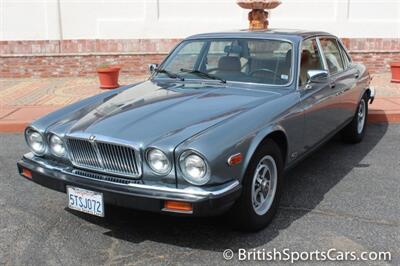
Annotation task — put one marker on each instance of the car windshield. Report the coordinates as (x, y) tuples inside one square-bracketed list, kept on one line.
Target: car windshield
[(264, 61)]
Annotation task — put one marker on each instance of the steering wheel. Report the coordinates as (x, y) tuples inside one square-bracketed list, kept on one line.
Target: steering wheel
[(264, 70)]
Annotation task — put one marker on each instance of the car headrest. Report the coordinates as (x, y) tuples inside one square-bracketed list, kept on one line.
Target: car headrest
[(288, 58), (233, 49), (305, 56), (229, 63)]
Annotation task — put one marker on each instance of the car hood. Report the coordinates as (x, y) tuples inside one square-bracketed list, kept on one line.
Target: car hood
[(153, 112)]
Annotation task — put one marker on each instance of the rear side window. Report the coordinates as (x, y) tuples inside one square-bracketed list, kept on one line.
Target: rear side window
[(345, 55), (332, 54)]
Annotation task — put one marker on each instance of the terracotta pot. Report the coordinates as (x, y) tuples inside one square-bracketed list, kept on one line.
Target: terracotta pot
[(395, 68), (109, 77)]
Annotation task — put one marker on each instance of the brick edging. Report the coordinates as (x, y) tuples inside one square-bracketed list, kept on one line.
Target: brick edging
[(154, 53), (78, 46)]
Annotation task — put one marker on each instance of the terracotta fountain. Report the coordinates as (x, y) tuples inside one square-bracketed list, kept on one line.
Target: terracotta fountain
[(258, 17)]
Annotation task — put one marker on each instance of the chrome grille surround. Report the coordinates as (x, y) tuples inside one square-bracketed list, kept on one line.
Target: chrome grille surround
[(103, 156)]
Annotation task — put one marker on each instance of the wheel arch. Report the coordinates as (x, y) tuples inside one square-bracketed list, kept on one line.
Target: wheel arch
[(368, 92), (277, 134)]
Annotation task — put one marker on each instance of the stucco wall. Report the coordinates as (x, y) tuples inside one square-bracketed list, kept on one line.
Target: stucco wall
[(138, 19), (43, 38)]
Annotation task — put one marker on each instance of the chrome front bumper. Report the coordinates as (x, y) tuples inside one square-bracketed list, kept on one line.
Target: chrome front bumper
[(138, 194)]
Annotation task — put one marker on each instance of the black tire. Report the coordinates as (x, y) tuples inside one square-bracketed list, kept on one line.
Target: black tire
[(242, 213), (351, 133)]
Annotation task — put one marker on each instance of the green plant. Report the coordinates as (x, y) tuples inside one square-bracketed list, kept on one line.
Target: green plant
[(104, 65)]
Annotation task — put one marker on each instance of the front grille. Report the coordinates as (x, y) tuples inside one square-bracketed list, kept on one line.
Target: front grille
[(104, 157), (101, 177)]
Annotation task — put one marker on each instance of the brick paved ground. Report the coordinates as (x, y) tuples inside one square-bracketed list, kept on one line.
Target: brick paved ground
[(25, 99), (50, 91)]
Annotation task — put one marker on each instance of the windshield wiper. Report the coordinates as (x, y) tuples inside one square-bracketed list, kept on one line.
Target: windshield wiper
[(170, 74), (202, 74)]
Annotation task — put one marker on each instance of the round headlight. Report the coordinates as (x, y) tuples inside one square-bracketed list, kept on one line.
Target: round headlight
[(158, 161), (57, 146), (194, 168), (35, 141)]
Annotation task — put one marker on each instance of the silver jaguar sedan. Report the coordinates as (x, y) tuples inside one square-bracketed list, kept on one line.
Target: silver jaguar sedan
[(213, 129)]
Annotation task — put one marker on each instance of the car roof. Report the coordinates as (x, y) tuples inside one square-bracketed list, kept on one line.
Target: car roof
[(270, 33)]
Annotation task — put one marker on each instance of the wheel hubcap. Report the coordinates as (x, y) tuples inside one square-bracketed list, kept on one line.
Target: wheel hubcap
[(264, 185), (361, 117)]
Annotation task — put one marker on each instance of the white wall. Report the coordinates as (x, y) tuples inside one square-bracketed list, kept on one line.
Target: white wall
[(126, 19)]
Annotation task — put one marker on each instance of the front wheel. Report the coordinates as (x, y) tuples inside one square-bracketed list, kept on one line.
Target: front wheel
[(355, 131), (262, 186)]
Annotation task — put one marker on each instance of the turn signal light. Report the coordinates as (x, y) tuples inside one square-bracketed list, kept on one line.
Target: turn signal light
[(27, 173), (235, 159), (178, 206)]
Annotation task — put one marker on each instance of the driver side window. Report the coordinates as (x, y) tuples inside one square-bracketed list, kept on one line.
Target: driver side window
[(310, 59)]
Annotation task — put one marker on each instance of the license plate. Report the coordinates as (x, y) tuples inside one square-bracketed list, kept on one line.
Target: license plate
[(85, 201)]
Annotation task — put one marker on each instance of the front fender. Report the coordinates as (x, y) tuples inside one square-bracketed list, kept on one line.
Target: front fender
[(258, 139)]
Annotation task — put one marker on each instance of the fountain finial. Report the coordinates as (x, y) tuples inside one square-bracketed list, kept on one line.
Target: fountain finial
[(258, 17)]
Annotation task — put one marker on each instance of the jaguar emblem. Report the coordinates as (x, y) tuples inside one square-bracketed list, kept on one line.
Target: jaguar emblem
[(92, 138)]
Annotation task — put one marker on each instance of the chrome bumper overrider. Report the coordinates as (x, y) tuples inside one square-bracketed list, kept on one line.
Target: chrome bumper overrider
[(371, 94)]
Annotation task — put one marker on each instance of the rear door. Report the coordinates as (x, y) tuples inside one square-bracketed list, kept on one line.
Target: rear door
[(353, 77), (343, 78)]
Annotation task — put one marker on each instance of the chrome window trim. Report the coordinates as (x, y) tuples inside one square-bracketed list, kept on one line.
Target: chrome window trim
[(321, 51)]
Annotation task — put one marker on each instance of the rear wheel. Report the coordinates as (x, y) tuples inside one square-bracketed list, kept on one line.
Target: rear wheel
[(355, 131), (262, 186)]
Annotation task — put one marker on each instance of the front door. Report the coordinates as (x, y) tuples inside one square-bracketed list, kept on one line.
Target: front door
[(318, 99)]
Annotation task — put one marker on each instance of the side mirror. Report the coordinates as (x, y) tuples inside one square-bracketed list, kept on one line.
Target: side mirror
[(152, 68), (317, 76)]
